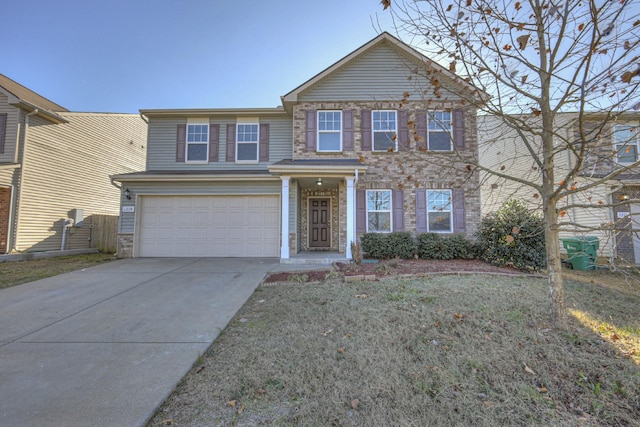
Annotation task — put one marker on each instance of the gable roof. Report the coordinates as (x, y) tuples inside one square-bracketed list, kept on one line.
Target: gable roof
[(25, 94), (292, 97)]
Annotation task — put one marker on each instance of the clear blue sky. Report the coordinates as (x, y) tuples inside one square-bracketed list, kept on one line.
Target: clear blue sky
[(124, 55)]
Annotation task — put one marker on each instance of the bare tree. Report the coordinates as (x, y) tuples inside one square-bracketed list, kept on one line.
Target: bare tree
[(538, 60)]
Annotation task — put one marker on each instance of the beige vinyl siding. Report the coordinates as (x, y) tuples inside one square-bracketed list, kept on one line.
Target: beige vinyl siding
[(67, 166), (162, 144), (380, 74), (13, 119), (500, 146), (127, 219)]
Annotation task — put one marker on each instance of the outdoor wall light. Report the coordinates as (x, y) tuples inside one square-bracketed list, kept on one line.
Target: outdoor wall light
[(127, 194), (319, 181), (624, 197)]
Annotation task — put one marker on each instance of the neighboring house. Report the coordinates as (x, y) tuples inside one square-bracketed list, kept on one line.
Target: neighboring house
[(614, 145), (360, 147), (55, 167)]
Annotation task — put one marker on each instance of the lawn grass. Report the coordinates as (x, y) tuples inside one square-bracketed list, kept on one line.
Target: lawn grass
[(440, 351), (18, 272)]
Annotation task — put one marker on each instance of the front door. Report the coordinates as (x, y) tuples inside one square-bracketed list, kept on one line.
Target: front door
[(319, 227)]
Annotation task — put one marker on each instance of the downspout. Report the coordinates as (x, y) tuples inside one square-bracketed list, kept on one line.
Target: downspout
[(20, 184)]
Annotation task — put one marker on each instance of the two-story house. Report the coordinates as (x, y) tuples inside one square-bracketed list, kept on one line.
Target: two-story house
[(600, 191), (54, 169), (350, 151)]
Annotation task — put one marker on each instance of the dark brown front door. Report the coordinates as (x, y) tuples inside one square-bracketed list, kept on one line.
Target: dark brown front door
[(319, 229)]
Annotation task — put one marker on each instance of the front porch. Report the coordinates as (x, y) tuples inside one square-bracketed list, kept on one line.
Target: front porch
[(318, 209)]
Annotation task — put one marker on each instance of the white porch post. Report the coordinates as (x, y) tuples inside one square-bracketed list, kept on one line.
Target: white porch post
[(351, 214), (284, 248)]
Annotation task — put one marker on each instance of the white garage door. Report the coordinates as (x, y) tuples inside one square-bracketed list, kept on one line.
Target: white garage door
[(209, 226)]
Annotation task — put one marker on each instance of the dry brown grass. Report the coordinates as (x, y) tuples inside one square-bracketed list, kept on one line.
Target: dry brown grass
[(18, 272), (442, 351)]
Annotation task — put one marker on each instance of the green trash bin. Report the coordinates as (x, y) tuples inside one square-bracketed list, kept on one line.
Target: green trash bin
[(582, 252)]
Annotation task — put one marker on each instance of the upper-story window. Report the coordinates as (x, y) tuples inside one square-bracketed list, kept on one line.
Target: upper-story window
[(197, 142), (329, 130), (378, 211), (626, 142), (247, 137), (439, 131), (439, 218), (385, 128)]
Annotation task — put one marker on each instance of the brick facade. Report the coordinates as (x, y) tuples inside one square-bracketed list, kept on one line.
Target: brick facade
[(406, 169)]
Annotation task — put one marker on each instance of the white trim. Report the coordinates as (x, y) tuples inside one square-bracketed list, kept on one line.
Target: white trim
[(318, 132), (195, 122), (366, 209), (450, 210), (351, 214), (284, 214), (373, 131), (451, 146), (633, 140), (257, 143)]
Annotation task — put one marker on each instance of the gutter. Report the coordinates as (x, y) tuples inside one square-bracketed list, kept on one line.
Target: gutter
[(21, 182)]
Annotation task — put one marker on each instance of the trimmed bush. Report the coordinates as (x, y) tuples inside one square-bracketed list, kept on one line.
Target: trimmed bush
[(391, 245), (401, 245), (512, 236), (437, 246), (374, 245)]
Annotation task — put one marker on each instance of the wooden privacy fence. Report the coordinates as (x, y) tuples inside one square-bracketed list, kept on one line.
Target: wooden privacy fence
[(105, 233)]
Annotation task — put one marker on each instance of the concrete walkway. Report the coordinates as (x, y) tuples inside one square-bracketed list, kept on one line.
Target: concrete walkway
[(106, 345)]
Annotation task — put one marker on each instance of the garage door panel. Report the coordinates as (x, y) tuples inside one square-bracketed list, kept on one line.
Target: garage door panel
[(216, 226)]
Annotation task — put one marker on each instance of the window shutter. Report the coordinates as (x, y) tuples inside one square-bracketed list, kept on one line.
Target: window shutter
[(421, 210), (214, 142), (458, 129), (181, 142), (3, 130), (365, 130), (311, 131), (231, 142), (264, 142), (458, 210), (421, 129), (361, 211), (347, 130), (398, 210), (403, 130)]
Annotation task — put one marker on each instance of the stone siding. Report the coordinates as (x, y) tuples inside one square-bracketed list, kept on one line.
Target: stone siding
[(125, 246)]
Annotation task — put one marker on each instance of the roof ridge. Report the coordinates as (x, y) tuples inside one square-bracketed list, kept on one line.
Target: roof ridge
[(32, 94)]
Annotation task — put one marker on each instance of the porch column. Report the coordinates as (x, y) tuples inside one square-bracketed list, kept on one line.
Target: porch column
[(351, 214), (284, 248)]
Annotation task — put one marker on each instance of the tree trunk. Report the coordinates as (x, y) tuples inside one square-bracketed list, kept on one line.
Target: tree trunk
[(554, 267)]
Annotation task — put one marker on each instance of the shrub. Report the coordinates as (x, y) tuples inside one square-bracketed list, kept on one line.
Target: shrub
[(374, 245), (437, 246), (401, 245), (512, 236), (392, 245)]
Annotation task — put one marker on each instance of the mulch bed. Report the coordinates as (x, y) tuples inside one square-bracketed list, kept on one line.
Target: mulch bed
[(393, 267)]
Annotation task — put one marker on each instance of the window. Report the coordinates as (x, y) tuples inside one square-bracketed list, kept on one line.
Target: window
[(626, 141), (329, 130), (385, 127), (378, 211), (439, 131), (197, 142), (439, 218), (247, 142)]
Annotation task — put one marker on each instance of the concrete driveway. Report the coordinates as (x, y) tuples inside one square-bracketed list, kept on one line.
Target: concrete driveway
[(106, 345)]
